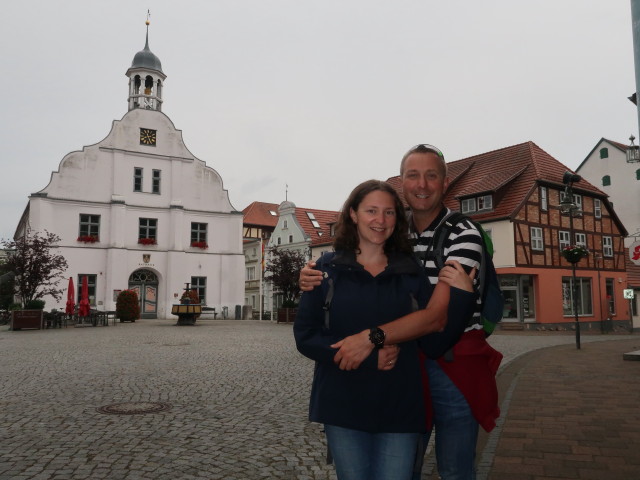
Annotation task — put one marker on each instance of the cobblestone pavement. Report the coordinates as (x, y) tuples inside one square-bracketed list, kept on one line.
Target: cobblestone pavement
[(237, 390)]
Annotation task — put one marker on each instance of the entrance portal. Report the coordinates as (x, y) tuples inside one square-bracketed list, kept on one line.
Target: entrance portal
[(145, 284)]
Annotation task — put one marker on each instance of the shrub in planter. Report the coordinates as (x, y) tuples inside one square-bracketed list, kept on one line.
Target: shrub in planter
[(34, 305), (127, 306), (15, 306)]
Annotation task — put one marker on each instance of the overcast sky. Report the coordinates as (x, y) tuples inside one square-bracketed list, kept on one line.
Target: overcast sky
[(316, 95)]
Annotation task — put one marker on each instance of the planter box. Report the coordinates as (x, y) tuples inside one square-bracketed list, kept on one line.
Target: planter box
[(286, 315), (26, 319)]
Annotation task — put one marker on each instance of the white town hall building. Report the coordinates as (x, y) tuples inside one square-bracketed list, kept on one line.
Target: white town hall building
[(138, 211)]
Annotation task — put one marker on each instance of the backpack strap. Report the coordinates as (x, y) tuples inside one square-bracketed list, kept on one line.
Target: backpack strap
[(440, 235), (327, 301)]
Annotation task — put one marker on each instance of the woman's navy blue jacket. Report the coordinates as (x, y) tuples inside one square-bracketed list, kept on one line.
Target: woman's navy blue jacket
[(368, 399), (365, 399)]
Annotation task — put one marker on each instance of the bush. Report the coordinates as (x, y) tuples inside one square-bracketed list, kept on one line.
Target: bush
[(34, 305), (127, 306), (15, 306)]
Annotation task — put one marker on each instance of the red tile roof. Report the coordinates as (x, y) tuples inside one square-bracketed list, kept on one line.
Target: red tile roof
[(510, 173), (319, 236), (258, 214)]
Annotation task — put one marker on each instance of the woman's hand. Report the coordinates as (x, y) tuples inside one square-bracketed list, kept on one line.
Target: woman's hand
[(454, 275), (309, 278), (387, 357)]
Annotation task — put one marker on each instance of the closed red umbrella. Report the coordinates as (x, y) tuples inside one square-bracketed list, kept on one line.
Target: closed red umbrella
[(84, 308), (71, 298)]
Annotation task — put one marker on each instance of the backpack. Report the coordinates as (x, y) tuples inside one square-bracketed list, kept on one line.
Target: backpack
[(488, 284)]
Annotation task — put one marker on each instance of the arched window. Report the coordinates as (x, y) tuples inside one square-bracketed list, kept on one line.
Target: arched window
[(604, 153), (606, 181), (148, 85)]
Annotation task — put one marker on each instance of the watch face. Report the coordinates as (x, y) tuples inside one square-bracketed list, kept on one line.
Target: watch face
[(147, 137)]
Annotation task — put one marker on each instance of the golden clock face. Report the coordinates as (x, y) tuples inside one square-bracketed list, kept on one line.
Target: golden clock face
[(147, 136)]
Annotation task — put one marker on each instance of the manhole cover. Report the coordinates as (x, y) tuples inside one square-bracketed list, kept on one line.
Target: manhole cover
[(134, 408)]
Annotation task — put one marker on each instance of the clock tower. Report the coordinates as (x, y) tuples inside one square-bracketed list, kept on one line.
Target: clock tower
[(146, 79)]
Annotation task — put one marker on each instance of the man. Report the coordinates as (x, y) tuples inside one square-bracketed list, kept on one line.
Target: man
[(462, 384)]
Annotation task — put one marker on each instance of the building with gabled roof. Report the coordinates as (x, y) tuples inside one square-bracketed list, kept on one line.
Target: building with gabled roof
[(139, 211), (615, 168), (259, 220), (515, 193), (307, 230)]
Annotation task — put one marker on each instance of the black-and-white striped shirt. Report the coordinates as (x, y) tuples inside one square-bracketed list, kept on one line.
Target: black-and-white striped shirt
[(464, 244)]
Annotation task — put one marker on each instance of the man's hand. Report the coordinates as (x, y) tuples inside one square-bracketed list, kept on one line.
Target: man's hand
[(309, 278), (387, 357), (454, 275), (353, 350)]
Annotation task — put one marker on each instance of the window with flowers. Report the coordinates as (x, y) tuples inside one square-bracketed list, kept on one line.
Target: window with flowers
[(199, 235), (89, 228), (147, 231)]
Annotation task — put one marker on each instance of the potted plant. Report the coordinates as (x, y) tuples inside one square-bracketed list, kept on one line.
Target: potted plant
[(88, 238), (147, 241), (190, 297), (574, 253), (128, 306), (188, 315), (202, 245)]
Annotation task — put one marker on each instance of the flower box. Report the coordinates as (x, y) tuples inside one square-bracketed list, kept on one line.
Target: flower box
[(88, 238), (574, 253), (202, 245), (147, 241)]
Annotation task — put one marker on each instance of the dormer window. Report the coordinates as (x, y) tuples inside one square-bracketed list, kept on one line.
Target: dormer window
[(476, 204), (468, 205), (313, 220), (485, 202)]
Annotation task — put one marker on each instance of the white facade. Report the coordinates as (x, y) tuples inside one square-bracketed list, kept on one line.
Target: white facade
[(142, 181), (607, 168)]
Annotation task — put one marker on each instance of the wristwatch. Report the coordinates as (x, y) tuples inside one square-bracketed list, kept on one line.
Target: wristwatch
[(377, 336)]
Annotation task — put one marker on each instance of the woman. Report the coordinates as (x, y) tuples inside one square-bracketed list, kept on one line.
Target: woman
[(373, 416)]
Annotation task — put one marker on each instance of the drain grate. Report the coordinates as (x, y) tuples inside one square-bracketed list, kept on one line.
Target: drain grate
[(134, 408)]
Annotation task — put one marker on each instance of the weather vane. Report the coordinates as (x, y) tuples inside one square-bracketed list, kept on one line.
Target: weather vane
[(148, 15)]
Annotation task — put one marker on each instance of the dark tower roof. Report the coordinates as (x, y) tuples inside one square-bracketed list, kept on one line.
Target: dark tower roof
[(146, 59)]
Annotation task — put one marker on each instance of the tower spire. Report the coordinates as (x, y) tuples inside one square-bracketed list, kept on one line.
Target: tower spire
[(146, 78), (147, 22)]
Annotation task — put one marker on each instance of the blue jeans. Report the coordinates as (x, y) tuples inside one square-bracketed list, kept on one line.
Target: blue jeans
[(359, 455), (456, 429)]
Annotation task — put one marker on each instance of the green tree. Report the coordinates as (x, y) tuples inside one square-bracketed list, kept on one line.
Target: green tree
[(37, 266), (6, 286), (283, 269)]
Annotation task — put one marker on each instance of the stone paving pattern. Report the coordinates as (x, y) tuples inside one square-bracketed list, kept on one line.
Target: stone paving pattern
[(238, 392)]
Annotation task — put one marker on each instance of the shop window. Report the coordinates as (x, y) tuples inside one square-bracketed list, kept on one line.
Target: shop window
[(583, 293)]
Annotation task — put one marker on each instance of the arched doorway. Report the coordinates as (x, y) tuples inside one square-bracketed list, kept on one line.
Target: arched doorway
[(145, 283)]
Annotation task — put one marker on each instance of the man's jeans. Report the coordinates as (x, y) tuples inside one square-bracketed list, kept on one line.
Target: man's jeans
[(360, 455), (456, 428)]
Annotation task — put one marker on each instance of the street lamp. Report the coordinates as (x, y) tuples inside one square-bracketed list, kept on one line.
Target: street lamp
[(569, 207)]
